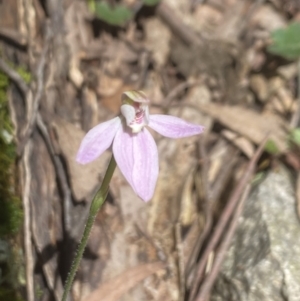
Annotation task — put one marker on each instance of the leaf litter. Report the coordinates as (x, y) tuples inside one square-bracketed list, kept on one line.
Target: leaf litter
[(229, 65)]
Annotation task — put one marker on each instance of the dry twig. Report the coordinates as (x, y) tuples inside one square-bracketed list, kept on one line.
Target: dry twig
[(13, 37), (173, 94), (220, 254), (27, 223), (207, 208), (38, 95), (211, 196), (61, 173), (296, 116), (225, 216), (14, 76), (180, 261), (184, 32)]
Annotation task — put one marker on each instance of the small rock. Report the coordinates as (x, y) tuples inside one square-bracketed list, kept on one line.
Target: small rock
[(263, 260)]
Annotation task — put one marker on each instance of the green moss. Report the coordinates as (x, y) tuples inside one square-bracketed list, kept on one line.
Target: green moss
[(11, 210), (271, 147), (24, 74), (11, 214), (10, 217), (294, 137), (8, 294)]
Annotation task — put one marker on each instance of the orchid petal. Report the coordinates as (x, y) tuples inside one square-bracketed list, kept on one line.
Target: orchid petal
[(146, 118), (137, 158), (97, 140), (123, 153), (145, 171), (128, 112), (173, 127)]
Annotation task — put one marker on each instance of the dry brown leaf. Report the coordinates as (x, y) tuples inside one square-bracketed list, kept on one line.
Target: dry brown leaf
[(109, 49), (188, 210), (259, 85), (89, 109), (110, 90), (267, 18), (250, 124), (191, 238), (207, 16), (289, 71), (201, 95), (78, 35), (113, 289), (286, 98), (108, 85), (282, 100), (233, 21), (113, 102), (84, 178), (241, 142), (292, 159), (217, 156), (158, 38), (180, 8), (119, 51)]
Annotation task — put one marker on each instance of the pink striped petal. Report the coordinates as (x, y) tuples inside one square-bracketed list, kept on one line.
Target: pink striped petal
[(97, 140), (137, 158), (123, 153), (173, 127), (145, 171)]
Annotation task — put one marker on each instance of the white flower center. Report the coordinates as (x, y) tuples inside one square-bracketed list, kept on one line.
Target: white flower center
[(136, 115)]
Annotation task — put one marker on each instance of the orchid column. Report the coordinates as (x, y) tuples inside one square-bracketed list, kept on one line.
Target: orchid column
[(134, 151)]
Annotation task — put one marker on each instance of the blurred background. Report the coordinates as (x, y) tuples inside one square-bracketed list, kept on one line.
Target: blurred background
[(224, 221)]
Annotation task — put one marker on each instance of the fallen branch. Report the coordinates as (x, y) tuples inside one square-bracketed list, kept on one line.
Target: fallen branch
[(226, 214)]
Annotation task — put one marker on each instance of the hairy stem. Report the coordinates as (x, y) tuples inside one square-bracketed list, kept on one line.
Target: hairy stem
[(97, 202)]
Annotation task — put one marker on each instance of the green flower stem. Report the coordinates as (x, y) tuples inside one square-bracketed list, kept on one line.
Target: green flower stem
[(97, 202)]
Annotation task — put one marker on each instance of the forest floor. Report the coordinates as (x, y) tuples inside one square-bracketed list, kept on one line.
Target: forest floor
[(223, 223)]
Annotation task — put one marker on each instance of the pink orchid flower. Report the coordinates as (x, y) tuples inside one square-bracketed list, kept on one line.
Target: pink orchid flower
[(134, 148)]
